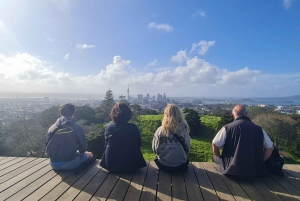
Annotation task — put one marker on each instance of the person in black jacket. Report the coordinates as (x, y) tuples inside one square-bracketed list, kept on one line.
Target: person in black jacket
[(246, 146), (122, 142)]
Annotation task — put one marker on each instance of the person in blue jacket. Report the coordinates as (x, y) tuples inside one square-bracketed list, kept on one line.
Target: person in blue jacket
[(122, 142)]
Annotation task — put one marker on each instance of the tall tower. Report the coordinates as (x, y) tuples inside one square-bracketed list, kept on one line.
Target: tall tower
[(128, 93)]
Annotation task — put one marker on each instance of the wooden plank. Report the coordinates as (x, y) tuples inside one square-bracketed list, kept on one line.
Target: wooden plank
[(221, 189), (277, 189), (178, 186), (292, 177), (192, 186), (63, 186), (293, 167), (236, 190), (75, 189), (23, 175), (107, 186), (16, 166), (164, 188), (23, 183), (11, 163), (43, 190), (150, 184), (7, 159), (263, 189), (251, 191), (33, 186), (2, 158), (135, 188), (286, 185), (93, 186), (206, 187), (120, 190)]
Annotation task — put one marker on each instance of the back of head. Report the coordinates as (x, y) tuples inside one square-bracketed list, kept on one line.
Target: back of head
[(67, 110), (172, 119), (239, 110), (120, 113)]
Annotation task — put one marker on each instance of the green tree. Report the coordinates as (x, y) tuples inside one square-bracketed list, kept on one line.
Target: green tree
[(85, 113), (193, 119), (103, 111), (47, 117)]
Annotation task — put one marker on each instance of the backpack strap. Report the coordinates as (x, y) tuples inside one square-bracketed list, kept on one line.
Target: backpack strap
[(51, 134), (181, 142)]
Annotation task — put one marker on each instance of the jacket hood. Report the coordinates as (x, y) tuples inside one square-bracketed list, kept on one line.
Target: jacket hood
[(64, 120)]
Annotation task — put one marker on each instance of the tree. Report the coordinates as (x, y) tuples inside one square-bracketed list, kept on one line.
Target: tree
[(193, 120), (47, 117), (280, 128), (103, 111), (85, 113)]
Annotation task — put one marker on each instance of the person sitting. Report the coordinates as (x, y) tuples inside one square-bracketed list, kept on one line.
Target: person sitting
[(66, 141), (122, 142), (246, 146), (171, 141)]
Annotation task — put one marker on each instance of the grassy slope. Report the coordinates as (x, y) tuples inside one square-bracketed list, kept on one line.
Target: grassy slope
[(200, 146)]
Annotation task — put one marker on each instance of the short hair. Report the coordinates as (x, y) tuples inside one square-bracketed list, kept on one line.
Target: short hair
[(239, 110), (120, 113), (67, 109)]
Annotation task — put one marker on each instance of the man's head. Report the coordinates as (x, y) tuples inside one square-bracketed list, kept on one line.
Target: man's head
[(67, 110), (239, 110)]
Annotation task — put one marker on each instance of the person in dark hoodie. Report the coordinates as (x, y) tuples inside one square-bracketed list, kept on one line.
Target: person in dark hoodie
[(122, 142), (246, 146), (67, 147)]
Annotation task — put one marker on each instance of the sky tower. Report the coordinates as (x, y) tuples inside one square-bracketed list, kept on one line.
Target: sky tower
[(128, 93)]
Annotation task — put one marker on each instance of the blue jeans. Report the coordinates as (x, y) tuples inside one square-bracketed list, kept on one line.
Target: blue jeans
[(70, 165)]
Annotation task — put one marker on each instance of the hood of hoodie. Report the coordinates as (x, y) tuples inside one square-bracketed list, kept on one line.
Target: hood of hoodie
[(64, 120)]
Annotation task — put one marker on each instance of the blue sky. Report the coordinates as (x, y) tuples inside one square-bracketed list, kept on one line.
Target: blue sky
[(181, 48)]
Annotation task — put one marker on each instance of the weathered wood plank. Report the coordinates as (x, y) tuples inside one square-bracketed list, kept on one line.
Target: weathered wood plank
[(263, 189), (33, 186), (23, 175), (47, 187), (192, 186), (7, 159), (249, 189), (135, 188), (11, 163), (236, 190), (206, 187), (292, 177), (178, 187), (93, 186), (16, 166), (277, 189), (75, 189), (293, 167), (150, 185), (23, 183), (63, 186), (106, 188), (286, 185), (120, 190), (222, 191), (164, 188)]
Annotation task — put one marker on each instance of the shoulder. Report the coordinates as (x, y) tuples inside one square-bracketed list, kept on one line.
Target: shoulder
[(77, 127)]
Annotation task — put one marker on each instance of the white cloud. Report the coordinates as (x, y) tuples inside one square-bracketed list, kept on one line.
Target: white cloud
[(203, 46), (26, 73), (66, 57), (200, 12), (287, 3), (50, 40), (84, 46), (165, 27), (179, 57), (153, 63)]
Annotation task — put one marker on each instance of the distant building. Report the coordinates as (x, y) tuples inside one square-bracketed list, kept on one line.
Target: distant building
[(46, 99), (140, 97)]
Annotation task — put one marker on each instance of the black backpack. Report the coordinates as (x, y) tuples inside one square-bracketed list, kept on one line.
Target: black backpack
[(275, 163)]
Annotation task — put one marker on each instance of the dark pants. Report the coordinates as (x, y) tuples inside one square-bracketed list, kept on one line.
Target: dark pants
[(165, 168)]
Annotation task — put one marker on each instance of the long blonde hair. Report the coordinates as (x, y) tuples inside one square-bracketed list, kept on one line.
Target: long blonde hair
[(172, 119)]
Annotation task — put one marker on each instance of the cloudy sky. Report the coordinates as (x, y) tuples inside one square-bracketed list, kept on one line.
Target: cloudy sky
[(206, 48)]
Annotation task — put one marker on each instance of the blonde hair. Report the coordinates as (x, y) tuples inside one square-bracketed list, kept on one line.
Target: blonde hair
[(172, 119)]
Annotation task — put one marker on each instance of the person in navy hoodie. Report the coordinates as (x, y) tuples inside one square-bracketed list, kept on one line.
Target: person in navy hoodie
[(122, 142)]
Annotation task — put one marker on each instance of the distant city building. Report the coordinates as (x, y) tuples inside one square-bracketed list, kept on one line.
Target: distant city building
[(128, 97), (140, 97), (46, 99), (148, 96)]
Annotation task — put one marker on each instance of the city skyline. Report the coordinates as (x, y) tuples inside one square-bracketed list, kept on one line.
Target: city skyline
[(187, 49)]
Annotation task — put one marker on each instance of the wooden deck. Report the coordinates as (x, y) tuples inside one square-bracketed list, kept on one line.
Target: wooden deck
[(32, 179)]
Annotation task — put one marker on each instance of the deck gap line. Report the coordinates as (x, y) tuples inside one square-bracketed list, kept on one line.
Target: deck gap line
[(99, 184), (210, 180), (197, 179), (187, 196), (13, 163), (148, 163), (129, 184), (17, 167)]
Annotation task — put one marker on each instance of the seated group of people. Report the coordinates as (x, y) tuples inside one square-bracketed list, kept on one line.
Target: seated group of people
[(246, 146)]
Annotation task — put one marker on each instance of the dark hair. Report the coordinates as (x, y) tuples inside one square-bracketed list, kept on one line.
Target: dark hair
[(67, 109), (120, 113)]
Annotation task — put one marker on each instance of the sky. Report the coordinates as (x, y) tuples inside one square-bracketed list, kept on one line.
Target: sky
[(194, 48)]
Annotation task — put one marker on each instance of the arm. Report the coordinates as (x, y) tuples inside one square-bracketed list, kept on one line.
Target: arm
[(267, 153), (216, 150), (155, 141), (81, 140)]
